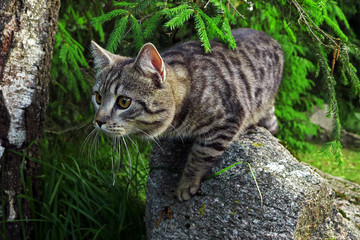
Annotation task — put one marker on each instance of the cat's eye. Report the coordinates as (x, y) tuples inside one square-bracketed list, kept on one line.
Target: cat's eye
[(124, 102), (98, 98)]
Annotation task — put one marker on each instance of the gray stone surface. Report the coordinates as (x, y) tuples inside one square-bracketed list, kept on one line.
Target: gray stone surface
[(350, 140), (297, 202), (319, 117)]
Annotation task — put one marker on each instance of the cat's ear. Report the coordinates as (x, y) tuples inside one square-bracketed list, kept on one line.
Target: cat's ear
[(150, 61), (102, 57)]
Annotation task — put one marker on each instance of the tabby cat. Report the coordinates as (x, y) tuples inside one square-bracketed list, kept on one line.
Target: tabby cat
[(184, 92)]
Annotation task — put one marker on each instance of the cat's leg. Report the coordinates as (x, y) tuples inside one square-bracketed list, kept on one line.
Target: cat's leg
[(200, 160), (269, 121)]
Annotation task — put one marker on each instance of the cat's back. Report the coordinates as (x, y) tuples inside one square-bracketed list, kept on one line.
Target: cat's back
[(246, 39), (227, 83), (257, 60)]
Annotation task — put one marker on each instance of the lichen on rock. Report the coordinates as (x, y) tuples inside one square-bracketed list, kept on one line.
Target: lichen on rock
[(228, 206)]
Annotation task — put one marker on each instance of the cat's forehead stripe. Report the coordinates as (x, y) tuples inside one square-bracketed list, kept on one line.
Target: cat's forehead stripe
[(116, 89), (115, 73), (112, 76)]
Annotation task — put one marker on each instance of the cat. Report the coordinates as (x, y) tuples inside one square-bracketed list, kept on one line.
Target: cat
[(185, 92)]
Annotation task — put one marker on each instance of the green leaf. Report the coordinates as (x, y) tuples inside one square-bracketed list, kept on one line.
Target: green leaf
[(63, 53), (227, 29), (123, 4), (212, 27), (341, 16), (289, 31), (108, 16), (335, 27), (170, 13), (117, 34), (200, 28), (152, 24), (357, 115), (179, 19), (137, 33)]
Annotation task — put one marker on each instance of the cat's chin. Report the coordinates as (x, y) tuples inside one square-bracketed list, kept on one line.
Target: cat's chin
[(113, 133)]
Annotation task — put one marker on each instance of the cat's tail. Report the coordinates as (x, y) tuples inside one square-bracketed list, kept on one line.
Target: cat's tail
[(270, 121)]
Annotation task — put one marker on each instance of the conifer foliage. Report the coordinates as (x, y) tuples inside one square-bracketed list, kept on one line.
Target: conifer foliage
[(320, 39), (167, 14), (321, 53)]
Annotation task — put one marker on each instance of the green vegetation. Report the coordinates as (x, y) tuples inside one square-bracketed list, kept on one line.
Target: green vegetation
[(78, 198), (349, 170), (311, 33), (81, 198)]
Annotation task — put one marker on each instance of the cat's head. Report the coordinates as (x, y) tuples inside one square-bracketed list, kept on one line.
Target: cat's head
[(131, 95)]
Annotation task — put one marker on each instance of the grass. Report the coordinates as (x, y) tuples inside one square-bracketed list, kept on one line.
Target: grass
[(350, 170), (79, 198)]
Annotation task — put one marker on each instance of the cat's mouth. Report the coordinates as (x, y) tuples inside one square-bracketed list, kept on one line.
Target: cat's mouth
[(113, 131)]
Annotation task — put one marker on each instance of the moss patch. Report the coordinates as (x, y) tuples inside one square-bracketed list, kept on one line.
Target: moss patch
[(292, 151), (316, 208), (202, 210)]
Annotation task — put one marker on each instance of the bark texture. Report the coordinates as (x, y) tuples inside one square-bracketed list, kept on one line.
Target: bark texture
[(27, 35), (297, 202)]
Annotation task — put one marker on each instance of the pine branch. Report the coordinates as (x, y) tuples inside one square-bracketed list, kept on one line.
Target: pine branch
[(289, 31), (335, 27), (341, 16), (137, 33), (200, 28), (179, 19), (335, 145), (227, 29), (348, 69), (152, 24), (220, 5), (213, 29), (124, 4), (142, 5), (108, 16), (117, 34)]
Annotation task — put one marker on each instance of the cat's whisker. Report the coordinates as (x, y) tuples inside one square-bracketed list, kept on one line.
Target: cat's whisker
[(113, 157), (85, 142), (128, 153), (130, 166), (94, 147), (89, 126), (91, 132), (182, 140), (119, 152), (116, 149), (142, 160), (152, 138), (89, 141)]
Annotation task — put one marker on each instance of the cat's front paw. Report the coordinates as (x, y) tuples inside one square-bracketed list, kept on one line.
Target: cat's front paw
[(187, 187)]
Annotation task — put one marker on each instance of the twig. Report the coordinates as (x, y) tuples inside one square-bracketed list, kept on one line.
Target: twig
[(304, 17), (81, 125), (222, 10), (207, 4), (335, 56), (236, 10)]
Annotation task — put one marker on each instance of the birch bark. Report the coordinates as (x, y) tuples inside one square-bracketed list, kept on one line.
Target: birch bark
[(27, 35)]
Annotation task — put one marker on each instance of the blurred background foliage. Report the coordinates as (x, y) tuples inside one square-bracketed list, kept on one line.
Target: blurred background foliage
[(80, 198)]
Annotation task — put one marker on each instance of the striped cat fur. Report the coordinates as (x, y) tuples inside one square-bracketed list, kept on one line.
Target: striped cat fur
[(186, 93)]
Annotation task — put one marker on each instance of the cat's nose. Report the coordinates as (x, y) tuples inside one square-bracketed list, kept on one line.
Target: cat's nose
[(99, 123)]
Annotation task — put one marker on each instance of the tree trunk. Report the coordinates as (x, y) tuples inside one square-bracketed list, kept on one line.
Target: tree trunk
[(27, 35)]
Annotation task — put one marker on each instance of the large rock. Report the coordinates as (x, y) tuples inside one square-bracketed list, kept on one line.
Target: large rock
[(297, 202), (319, 117)]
